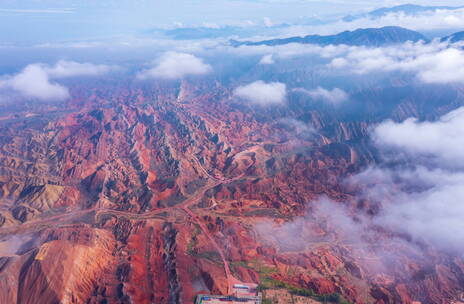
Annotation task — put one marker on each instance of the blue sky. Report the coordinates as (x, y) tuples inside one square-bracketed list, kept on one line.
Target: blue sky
[(52, 20)]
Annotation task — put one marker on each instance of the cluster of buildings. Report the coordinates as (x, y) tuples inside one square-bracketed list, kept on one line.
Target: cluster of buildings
[(242, 294)]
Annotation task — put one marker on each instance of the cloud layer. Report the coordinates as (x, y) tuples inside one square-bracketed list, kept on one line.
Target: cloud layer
[(267, 59), (36, 80), (64, 69), (425, 199), (174, 65), (440, 139), (334, 96), (262, 93), (440, 19), (432, 63), (421, 199)]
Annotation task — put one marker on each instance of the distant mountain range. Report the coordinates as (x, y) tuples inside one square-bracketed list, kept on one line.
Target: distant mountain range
[(407, 9), (222, 31), (456, 37), (367, 37), (209, 32), (361, 37)]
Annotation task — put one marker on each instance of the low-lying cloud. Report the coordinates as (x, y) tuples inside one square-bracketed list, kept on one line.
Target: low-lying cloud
[(432, 214), (431, 63), (34, 82), (334, 96), (267, 59), (64, 69), (440, 19), (299, 128), (434, 62), (330, 223), (441, 139), (262, 93), (174, 65), (37, 80), (425, 199), (418, 203), (303, 233), (290, 50)]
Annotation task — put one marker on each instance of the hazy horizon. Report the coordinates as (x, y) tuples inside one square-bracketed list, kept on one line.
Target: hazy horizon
[(50, 21)]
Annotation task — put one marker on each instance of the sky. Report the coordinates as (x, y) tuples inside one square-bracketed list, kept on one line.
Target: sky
[(67, 20)]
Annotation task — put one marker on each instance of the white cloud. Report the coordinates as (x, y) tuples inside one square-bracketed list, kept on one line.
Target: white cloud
[(445, 20), (267, 59), (302, 233), (442, 139), (290, 50), (211, 25), (35, 80), (64, 69), (434, 215), (262, 93), (446, 66), (334, 96), (431, 63), (38, 11), (330, 224), (339, 63), (299, 128), (435, 62), (425, 203), (425, 200), (173, 65), (268, 22)]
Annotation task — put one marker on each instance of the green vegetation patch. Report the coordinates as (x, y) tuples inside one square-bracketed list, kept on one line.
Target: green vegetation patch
[(211, 256), (272, 283), (193, 241)]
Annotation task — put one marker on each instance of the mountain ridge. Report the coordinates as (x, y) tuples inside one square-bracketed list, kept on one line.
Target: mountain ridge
[(453, 38), (408, 9), (368, 37)]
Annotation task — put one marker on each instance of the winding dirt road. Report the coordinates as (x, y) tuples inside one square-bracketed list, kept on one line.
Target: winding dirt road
[(65, 218)]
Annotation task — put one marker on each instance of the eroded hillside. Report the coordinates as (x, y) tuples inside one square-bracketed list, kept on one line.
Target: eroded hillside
[(152, 195)]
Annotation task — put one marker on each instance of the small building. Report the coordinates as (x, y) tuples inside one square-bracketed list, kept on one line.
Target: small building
[(216, 299), (242, 293)]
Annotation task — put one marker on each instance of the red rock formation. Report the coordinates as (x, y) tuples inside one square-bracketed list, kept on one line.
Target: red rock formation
[(121, 195)]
